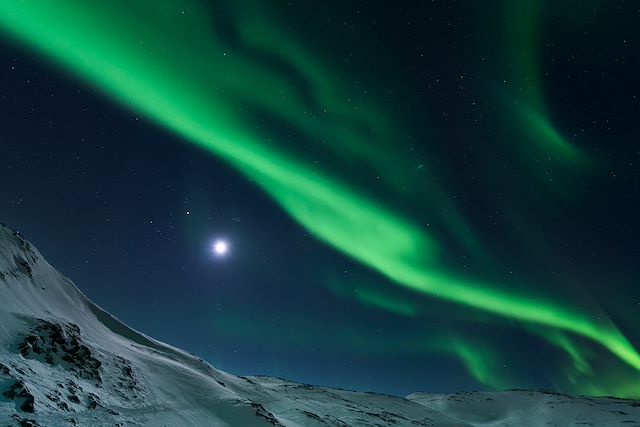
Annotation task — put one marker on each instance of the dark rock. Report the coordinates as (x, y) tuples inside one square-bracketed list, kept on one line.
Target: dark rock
[(61, 344), (21, 396), (24, 422), (4, 370)]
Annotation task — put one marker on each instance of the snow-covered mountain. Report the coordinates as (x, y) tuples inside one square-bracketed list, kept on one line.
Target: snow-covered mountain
[(65, 362)]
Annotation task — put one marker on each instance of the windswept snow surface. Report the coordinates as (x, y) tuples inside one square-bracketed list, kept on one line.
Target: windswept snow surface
[(65, 362)]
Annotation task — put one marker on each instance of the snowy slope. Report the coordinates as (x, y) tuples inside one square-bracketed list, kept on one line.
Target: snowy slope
[(64, 361), (532, 408)]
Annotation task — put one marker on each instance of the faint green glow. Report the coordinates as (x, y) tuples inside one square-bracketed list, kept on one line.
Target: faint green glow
[(607, 378), (372, 297), (375, 299), (171, 68), (479, 361), (578, 359), (528, 89), (618, 386)]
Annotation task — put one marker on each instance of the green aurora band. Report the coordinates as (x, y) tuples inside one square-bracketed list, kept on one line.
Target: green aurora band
[(173, 69)]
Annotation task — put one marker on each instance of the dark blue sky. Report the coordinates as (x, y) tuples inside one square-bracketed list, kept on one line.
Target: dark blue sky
[(129, 210)]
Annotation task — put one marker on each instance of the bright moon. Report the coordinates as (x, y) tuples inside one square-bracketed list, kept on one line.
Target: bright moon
[(220, 247)]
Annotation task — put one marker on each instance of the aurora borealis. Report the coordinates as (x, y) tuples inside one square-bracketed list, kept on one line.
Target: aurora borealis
[(483, 201)]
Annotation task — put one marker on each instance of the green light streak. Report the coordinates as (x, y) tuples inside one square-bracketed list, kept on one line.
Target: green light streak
[(480, 362), (373, 298), (172, 69), (530, 105), (578, 359)]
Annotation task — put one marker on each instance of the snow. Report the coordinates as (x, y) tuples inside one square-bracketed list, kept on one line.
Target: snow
[(532, 408), (64, 361)]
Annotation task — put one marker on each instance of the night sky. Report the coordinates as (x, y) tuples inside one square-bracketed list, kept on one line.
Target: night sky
[(420, 195)]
